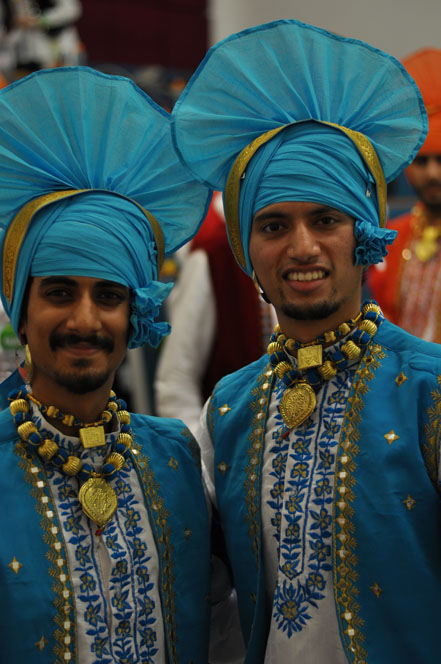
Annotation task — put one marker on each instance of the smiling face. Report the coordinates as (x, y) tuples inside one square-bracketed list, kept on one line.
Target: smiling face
[(77, 330), (303, 256)]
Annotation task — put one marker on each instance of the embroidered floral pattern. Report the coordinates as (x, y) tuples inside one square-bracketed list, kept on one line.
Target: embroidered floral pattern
[(117, 611), (301, 499)]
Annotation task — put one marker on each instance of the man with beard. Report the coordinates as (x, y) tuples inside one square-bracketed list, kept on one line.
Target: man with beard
[(407, 283), (105, 537), (322, 457)]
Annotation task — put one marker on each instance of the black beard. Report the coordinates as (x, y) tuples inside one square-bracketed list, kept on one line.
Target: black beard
[(81, 383), (318, 311)]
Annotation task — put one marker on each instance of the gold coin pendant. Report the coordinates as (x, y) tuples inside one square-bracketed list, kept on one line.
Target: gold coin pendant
[(297, 404)]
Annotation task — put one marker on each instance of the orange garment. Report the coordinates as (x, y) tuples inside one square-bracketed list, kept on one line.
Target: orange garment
[(408, 289), (425, 68)]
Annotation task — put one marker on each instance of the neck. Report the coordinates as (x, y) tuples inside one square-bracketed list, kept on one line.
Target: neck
[(432, 214), (306, 331), (85, 407)]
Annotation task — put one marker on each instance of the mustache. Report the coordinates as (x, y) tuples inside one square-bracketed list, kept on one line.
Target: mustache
[(58, 340)]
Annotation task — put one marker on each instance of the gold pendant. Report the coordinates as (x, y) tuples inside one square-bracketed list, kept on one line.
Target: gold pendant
[(98, 500), (93, 436), (297, 404), (309, 356)]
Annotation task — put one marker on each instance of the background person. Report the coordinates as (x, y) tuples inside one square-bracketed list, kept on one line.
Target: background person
[(407, 284)]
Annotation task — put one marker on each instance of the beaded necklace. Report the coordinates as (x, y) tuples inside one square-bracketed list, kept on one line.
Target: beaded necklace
[(315, 365), (97, 497)]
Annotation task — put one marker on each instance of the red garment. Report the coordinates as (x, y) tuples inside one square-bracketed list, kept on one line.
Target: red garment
[(239, 330), (407, 289)]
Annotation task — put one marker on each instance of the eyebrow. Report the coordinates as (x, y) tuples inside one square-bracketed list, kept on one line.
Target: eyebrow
[(66, 281), (276, 214)]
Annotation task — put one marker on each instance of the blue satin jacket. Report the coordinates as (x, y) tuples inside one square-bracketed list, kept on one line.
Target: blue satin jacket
[(37, 611), (387, 507)]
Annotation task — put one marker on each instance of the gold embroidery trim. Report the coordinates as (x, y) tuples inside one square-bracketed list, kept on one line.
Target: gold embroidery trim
[(159, 523), (18, 228), (65, 619), (232, 188), (259, 405), (344, 541), (432, 436)]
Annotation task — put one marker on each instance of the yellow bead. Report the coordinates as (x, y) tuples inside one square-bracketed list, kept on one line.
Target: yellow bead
[(282, 368), (274, 347), (48, 449), (371, 307), (69, 420), (330, 337), (26, 429), (351, 350), (344, 329), (281, 339), (327, 370), (19, 405), (123, 416), (290, 345), (368, 326), (72, 466), (117, 460), (112, 406), (277, 329), (52, 411), (125, 439)]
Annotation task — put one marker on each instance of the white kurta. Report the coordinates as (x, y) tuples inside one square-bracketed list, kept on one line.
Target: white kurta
[(296, 505), (115, 572)]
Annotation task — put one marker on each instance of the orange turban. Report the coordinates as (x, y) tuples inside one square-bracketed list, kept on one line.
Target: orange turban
[(425, 68)]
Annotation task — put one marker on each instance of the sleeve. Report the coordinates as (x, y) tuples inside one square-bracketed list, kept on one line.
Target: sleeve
[(186, 351)]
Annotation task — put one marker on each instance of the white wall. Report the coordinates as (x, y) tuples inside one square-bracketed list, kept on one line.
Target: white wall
[(396, 26)]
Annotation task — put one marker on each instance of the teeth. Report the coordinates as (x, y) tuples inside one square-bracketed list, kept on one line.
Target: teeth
[(306, 276)]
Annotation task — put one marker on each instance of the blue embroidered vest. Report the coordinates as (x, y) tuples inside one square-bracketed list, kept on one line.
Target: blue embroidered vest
[(387, 509), (37, 609)]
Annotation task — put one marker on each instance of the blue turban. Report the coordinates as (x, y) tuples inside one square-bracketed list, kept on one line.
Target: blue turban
[(127, 201), (288, 111)]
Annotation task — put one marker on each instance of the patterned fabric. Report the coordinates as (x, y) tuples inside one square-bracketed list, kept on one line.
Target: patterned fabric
[(135, 592), (384, 489), (406, 288)]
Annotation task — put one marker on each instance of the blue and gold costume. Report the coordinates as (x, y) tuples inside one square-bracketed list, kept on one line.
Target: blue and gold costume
[(386, 481), (53, 584)]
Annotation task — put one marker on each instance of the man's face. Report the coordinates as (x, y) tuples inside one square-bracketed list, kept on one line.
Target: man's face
[(303, 256), (77, 331), (425, 177)]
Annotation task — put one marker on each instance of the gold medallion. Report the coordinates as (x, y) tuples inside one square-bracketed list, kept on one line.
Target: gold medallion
[(297, 404), (98, 500), (309, 356), (93, 436)]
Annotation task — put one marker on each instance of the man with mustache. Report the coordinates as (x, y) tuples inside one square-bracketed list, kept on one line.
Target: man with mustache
[(105, 536), (407, 284), (323, 456)]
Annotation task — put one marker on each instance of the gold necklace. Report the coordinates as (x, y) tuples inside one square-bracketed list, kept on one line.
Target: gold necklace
[(427, 245), (316, 366), (97, 497)]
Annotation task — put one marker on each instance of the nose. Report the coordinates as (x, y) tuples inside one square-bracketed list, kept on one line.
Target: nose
[(433, 168), (302, 245), (84, 316)]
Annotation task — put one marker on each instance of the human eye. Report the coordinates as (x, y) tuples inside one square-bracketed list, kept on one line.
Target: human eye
[(272, 226), (57, 294), (327, 220), (111, 297)]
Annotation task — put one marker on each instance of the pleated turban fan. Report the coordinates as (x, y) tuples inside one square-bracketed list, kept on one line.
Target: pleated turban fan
[(425, 68), (289, 112), (90, 185)]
